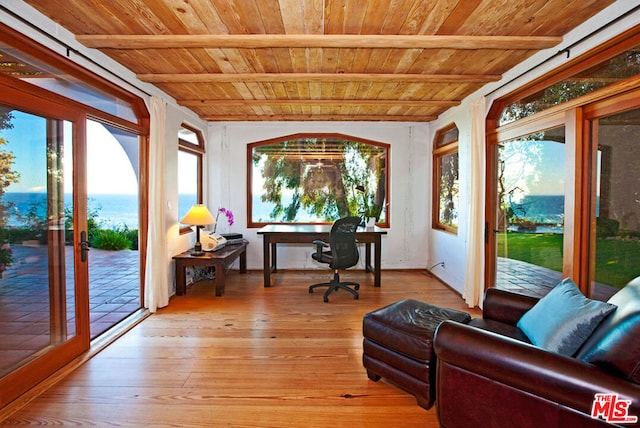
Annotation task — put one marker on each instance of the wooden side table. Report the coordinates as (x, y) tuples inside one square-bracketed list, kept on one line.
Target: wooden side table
[(220, 259)]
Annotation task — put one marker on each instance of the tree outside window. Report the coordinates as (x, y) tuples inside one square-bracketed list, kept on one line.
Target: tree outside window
[(445, 179), (317, 178)]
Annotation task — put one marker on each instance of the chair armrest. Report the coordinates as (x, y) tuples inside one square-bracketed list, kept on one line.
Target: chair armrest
[(506, 307), (319, 246), (522, 366)]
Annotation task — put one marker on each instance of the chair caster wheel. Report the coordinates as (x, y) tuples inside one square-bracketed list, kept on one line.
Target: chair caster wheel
[(356, 297), (326, 299), (357, 287), (310, 291)]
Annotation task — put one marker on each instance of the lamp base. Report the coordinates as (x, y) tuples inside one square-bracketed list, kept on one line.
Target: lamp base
[(197, 249)]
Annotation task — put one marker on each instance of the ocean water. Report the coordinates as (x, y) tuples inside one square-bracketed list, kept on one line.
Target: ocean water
[(113, 210), (541, 209), (122, 209)]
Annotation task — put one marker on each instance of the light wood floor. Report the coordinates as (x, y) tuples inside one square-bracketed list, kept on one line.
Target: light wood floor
[(256, 357)]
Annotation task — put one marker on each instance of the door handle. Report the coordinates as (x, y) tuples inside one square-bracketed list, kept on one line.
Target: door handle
[(84, 246)]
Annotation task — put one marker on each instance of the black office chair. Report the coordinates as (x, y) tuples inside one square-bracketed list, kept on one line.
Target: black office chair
[(343, 254)]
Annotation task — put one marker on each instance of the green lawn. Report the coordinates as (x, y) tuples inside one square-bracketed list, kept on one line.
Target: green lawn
[(617, 262)]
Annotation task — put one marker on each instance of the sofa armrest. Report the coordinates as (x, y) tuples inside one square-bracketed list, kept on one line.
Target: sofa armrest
[(505, 306), (522, 366)]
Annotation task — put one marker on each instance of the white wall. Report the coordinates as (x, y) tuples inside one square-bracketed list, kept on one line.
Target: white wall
[(403, 247)]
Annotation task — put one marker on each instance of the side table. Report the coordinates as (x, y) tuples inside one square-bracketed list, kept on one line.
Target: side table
[(220, 259)]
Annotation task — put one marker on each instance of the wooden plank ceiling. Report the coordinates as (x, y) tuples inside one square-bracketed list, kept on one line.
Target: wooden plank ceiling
[(325, 60)]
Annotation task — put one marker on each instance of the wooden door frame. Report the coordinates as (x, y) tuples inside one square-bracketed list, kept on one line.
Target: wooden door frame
[(20, 380), (26, 97)]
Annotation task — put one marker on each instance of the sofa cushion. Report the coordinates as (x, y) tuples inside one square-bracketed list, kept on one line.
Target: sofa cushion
[(614, 345), (563, 319)]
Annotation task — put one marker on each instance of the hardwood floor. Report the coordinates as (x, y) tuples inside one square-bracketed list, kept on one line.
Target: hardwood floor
[(256, 357)]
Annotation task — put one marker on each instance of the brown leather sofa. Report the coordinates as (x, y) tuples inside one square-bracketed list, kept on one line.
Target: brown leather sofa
[(489, 375)]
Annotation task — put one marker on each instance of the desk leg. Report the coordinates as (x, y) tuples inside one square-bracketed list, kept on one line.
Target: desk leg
[(266, 256), (243, 261), (367, 257), (377, 261), (220, 278), (274, 257), (181, 278)]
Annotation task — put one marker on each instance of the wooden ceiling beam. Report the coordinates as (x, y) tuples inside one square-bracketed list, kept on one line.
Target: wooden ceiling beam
[(317, 77), (317, 117), (320, 102), (349, 41)]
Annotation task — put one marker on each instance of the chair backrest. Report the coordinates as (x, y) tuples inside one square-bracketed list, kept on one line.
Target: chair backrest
[(343, 243)]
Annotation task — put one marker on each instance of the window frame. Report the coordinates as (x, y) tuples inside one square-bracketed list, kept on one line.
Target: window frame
[(197, 150), (442, 148), (386, 207)]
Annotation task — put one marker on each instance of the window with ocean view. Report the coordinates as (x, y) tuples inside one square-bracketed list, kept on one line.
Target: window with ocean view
[(530, 210), (70, 149), (563, 199)]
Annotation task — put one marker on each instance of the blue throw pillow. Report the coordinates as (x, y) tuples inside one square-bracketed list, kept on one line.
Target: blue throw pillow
[(563, 319)]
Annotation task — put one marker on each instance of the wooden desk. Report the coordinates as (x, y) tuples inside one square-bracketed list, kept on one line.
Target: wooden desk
[(220, 259), (306, 234)]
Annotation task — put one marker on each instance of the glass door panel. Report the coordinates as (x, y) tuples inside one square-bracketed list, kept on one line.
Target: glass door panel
[(530, 211), (37, 289), (112, 187), (615, 241)]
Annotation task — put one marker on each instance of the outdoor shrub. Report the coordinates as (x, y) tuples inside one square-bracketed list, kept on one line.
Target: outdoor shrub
[(606, 227), (130, 234), (109, 239)]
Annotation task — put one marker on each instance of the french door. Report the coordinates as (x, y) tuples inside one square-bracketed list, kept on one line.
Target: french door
[(44, 309), (563, 199)]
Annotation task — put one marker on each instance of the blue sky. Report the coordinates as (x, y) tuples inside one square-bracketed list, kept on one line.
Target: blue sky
[(109, 169)]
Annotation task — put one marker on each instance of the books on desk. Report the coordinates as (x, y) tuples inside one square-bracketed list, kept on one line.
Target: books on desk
[(233, 238)]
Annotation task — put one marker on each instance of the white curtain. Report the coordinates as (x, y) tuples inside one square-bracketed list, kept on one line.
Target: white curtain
[(474, 276), (156, 290)]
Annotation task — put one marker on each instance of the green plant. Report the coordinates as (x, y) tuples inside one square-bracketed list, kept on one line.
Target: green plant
[(607, 227), (6, 256), (372, 211), (35, 221), (130, 234), (109, 239)]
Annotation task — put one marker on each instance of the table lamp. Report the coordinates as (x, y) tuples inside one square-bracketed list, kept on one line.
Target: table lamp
[(198, 216)]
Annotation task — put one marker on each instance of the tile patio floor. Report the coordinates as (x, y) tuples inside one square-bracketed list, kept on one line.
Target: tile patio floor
[(525, 278), (114, 293)]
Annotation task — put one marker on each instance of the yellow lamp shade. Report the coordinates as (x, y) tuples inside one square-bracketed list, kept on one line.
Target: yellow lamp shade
[(198, 215)]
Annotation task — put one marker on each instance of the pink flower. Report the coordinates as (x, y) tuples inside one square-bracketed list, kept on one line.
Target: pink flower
[(227, 213)]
